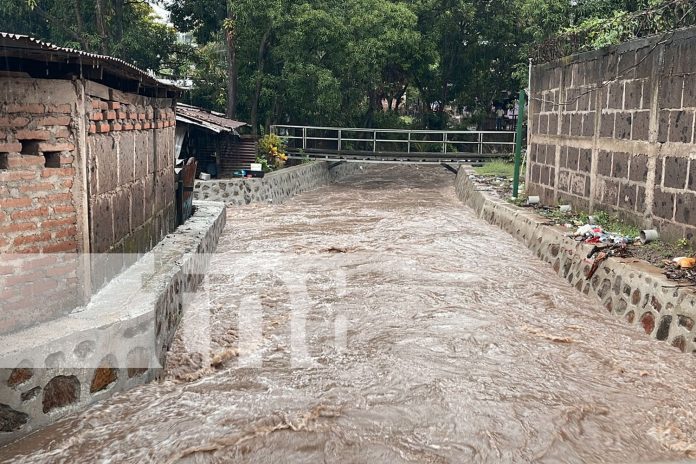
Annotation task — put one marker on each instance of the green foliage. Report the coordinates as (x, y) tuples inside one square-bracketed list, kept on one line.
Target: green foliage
[(592, 24), (496, 168), (207, 75), (265, 165), (602, 32), (381, 63), (272, 149), (120, 28), (683, 243)]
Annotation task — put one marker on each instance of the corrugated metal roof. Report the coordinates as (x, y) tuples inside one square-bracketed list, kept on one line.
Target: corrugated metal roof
[(23, 46), (210, 120)]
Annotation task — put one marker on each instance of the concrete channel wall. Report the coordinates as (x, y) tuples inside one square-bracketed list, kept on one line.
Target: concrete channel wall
[(275, 187), (119, 340), (628, 288), (613, 130)]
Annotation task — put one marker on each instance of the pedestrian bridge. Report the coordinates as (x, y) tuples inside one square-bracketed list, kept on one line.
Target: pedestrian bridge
[(395, 145)]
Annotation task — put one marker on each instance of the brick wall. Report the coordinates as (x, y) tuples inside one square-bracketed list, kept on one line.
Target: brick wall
[(83, 168), (614, 130), (38, 211)]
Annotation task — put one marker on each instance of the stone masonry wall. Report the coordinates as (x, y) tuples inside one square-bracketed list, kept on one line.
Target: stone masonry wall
[(38, 200), (274, 187), (614, 130), (630, 289), (119, 340)]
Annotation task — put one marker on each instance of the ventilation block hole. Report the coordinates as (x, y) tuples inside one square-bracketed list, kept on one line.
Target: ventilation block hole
[(52, 159), (4, 161), (30, 147)]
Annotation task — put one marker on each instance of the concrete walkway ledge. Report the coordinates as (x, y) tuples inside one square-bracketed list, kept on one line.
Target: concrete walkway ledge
[(117, 341), (628, 288)]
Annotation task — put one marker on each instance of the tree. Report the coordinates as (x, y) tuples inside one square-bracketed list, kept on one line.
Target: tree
[(205, 19), (121, 28)]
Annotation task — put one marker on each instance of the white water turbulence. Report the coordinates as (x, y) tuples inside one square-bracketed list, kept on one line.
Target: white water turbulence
[(379, 320)]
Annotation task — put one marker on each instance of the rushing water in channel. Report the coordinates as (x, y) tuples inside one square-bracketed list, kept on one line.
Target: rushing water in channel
[(378, 320)]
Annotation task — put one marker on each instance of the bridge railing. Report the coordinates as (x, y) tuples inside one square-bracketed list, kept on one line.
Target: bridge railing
[(361, 140)]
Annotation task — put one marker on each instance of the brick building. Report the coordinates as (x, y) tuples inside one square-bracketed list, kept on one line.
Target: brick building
[(86, 167)]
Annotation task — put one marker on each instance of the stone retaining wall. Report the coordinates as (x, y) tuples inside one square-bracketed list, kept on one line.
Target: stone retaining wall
[(629, 288), (119, 340), (275, 187)]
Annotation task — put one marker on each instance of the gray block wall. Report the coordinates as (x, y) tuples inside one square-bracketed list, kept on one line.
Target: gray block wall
[(130, 164), (613, 130)]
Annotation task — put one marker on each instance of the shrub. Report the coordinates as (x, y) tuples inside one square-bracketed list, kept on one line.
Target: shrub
[(272, 151)]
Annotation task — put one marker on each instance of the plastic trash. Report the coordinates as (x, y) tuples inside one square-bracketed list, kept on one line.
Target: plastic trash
[(685, 263), (647, 236), (586, 229)]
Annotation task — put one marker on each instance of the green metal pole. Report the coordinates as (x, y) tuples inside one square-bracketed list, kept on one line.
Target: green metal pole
[(518, 145)]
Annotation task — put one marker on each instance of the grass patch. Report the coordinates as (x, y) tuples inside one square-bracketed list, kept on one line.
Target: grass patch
[(496, 168), (613, 224), (659, 251), (609, 222)]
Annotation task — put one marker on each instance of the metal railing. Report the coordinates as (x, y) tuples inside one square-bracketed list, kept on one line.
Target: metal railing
[(337, 140)]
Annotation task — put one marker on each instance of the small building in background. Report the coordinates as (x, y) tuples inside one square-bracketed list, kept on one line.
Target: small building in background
[(219, 144)]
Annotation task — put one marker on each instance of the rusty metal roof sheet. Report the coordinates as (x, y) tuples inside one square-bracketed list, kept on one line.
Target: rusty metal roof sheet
[(210, 120), (23, 46)]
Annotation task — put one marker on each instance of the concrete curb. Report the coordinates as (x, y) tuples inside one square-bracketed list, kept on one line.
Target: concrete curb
[(629, 288), (117, 341)]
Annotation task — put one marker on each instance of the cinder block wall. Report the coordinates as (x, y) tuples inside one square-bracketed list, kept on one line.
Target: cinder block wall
[(83, 169), (614, 130), (130, 161)]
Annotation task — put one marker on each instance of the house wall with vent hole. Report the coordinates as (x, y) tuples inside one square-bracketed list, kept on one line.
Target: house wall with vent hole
[(614, 130), (84, 168)]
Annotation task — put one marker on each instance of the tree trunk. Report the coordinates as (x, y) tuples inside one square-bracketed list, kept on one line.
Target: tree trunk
[(372, 98), (259, 81), (80, 25), (101, 28), (399, 96), (118, 26), (230, 37)]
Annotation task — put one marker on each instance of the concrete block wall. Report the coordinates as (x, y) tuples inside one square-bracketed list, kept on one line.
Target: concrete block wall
[(130, 160), (614, 130), (38, 201)]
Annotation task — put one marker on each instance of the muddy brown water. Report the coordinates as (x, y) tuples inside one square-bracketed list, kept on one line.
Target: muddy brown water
[(379, 320)]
